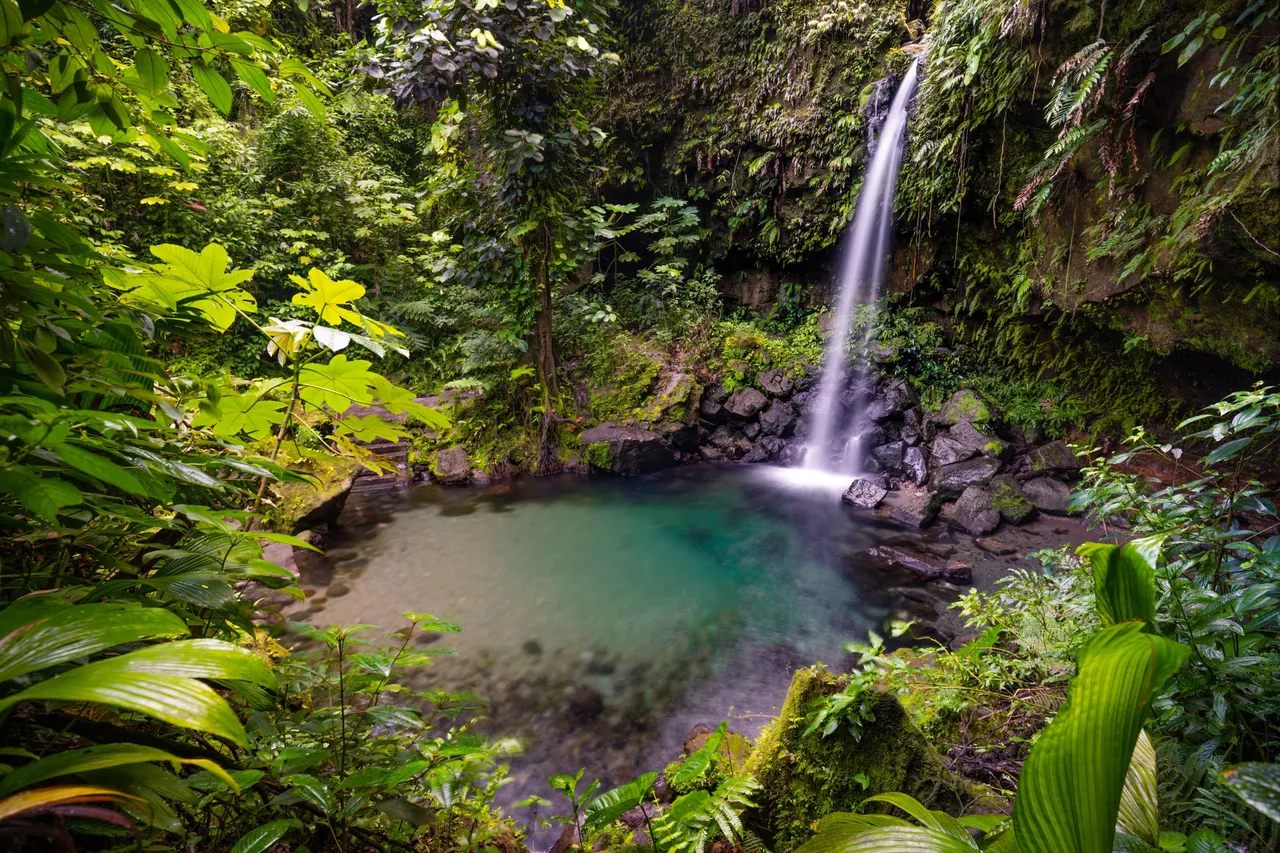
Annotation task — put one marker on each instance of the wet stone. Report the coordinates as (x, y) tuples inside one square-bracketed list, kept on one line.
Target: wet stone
[(862, 494)]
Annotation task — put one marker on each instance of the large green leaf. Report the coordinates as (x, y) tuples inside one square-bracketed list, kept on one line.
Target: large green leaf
[(338, 384), (1139, 814), (42, 632), (875, 833), (160, 681), (696, 765), (43, 496), (91, 758), (1124, 579), (1256, 783), (1070, 787), (609, 806), (259, 839)]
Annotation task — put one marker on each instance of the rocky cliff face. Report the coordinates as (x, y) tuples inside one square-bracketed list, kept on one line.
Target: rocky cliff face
[(1076, 196)]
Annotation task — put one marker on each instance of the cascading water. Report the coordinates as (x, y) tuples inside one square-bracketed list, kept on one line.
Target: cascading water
[(861, 276)]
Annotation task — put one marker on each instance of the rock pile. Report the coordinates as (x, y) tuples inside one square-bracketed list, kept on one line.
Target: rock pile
[(957, 458)]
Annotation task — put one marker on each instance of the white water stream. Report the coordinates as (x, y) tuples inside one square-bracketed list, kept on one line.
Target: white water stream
[(862, 274)]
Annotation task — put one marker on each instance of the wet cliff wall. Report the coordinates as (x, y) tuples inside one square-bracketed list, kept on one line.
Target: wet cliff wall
[(1090, 192)]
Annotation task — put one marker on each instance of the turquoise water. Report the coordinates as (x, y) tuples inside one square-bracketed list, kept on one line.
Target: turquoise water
[(628, 566), (604, 617)]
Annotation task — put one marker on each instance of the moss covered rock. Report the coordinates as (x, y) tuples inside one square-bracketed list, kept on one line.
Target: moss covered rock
[(303, 506), (803, 778), (965, 406)]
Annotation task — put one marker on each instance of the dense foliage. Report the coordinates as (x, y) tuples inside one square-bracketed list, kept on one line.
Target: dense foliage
[(242, 240)]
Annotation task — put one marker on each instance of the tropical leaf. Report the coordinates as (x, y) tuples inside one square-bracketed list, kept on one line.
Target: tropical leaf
[(260, 838), (1139, 814), (609, 806), (160, 681), (1124, 579), (41, 799), (42, 632), (1070, 788), (696, 765), (1256, 783), (328, 298), (88, 759)]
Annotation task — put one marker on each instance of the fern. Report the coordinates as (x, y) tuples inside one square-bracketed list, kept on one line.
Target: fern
[(700, 817)]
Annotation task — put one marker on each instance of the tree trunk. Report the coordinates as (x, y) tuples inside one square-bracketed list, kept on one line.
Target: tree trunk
[(546, 350)]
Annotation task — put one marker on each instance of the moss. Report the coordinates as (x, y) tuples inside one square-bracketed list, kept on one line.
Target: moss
[(296, 505), (964, 405), (804, 778), (600, 456)]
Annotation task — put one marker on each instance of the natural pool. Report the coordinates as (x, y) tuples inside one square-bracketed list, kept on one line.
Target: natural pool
[(604, 617)]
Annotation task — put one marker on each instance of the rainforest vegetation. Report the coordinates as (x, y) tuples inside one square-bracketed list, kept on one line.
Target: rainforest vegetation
[(252, 249)]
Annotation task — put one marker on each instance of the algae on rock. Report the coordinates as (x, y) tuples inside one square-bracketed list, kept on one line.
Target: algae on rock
[(804, 777)]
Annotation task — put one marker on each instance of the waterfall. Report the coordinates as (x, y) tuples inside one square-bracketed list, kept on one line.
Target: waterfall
[(862, 270)]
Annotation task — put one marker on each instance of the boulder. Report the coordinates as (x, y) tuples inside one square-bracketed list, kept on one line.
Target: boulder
[(1010, 501), (721, 438), (683, 437), (776, 382), (751, 431), (915, 461), (889, 455), (779, 419), (802, 400), (992, 545), (1053, 457), (745, 403), (921, 563), (803, 777), (627, 450), (973, 438), (954, 479), (767, 448), (975, 513), (964, 405), (899, 396), (711, 410), (1048, 494), (863, 494), (947, 451), (304, 505), (917, 510), (452, 465)]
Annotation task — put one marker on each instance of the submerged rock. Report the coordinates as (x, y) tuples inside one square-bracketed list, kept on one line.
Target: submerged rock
[(862, 494), (627, 450), (1055, 456), (921, 563), (964, 405), (452, 465), (975, 512), (954, 479), (803, 778), (1048, 494), (745, 403)]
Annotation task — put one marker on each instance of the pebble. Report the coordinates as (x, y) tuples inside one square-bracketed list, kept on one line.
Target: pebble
[(338, 589)]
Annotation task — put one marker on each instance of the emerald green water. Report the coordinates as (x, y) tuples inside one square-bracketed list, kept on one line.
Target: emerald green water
[(603, 617)]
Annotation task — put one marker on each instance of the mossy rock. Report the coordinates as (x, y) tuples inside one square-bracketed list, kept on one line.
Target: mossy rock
[(804, 778), (302, 506), (730, 759), (964, 406)]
